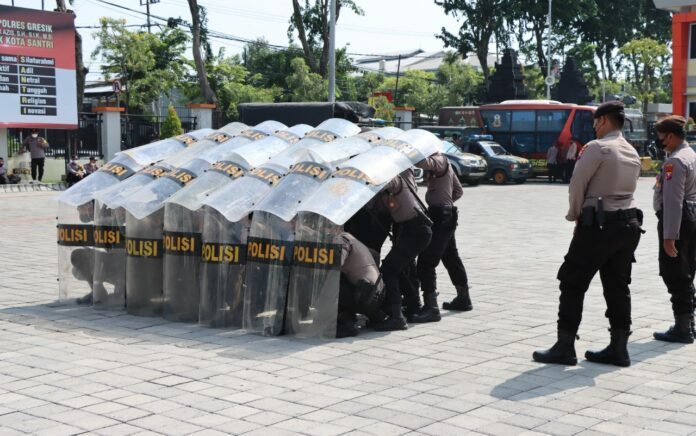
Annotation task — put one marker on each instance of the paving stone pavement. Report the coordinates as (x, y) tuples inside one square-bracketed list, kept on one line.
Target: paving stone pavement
[(71, 370)]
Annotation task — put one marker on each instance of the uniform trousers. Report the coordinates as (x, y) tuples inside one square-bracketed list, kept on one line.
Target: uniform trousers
[(443, 246), (414, 236), (678, 272), (610, 251)]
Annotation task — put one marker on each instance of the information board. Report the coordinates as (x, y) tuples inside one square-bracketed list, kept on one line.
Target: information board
[(38, 86)]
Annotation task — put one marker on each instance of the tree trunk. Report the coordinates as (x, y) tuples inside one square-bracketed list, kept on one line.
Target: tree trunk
[(539, 36), (80, 69), (610, 69), (297, 19), (601, 64), (206, 90), (325, 37)]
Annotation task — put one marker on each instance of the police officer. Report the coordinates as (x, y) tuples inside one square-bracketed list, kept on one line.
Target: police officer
[(675, 203), (443, 190), (606, 235), (413, 236), (361, 289)]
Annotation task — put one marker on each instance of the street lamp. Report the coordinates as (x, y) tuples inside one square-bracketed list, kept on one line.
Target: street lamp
[(332, 51), (549, 80)]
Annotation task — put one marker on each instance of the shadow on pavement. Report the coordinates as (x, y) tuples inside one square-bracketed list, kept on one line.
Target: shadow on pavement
[(550, 379)]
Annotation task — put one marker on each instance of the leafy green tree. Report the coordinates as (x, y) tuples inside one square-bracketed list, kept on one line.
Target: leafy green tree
[(645, 56), (480, 21), (305, 85), (171, 125), (148, 65), (384, 109), (458, 82), (311, 21)]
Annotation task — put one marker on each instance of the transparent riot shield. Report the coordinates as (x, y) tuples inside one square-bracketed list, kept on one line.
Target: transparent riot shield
[(75, 250), (144, 264), (315, 275), (109, 285), (269, 254), (223, 263)]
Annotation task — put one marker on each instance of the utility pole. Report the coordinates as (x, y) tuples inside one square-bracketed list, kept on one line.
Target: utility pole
[(396, 88), (332, 51), (147, 4), (549, 80)]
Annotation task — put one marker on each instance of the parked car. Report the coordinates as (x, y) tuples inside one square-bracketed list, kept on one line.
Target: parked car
[(469, 168), (502, 166)]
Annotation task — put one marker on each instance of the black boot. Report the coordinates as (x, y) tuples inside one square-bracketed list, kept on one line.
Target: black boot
[(462, 302), (429, 312), (346, 326), (391, 323), (616, 353), (681, 331), (563, 351), (86, 299)]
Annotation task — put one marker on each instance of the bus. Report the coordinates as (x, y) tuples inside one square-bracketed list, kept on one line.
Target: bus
[(528, 128), (466, 116)]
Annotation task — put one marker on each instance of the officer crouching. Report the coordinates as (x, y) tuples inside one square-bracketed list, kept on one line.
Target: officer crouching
[(674, 201), (413, 236), (606, 236), (361, 289), (443, 190)]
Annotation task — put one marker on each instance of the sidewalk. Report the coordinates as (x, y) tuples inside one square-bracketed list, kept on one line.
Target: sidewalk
[(72, 370)]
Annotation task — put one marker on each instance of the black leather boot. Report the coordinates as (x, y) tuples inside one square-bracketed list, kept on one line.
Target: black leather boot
[(391, 323), (462, 302), (562, 352), (616, 353), (681, 331), (429, 312)]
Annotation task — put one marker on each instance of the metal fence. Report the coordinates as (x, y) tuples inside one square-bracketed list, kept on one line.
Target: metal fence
[(141, 129), (84, 141)]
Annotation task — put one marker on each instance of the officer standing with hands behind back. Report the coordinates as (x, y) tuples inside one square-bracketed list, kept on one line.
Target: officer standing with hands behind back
[(606, 235), (675, 204)]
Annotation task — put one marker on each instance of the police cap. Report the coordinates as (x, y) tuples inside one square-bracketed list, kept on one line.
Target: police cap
[(672, 124), (610, 107)]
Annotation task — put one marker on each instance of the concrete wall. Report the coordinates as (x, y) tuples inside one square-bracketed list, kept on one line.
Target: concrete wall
[(54, 168)]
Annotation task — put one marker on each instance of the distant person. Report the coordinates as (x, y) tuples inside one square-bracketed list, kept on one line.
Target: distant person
[(3, 172), (91, 167), (456, 140), (36, 146), (75, 172), (552, 162), (571, 156)]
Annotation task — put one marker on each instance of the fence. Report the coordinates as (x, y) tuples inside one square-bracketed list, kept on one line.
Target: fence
[(84, 141), (141, 129)]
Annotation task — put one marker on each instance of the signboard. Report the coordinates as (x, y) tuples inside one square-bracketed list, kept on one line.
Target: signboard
[(38, 85)]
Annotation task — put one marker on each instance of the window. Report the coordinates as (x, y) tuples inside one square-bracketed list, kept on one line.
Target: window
[(522, 143), (582, 126), (496, 121), (692, 42), (522, 121), (545, 140), (476, 149), (551, 120)]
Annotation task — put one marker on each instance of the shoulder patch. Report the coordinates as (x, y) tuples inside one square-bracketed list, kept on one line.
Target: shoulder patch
[(668, 170), (582, 150)]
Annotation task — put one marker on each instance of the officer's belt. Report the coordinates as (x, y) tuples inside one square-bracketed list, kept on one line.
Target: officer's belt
[(619, 215), (442, 211)]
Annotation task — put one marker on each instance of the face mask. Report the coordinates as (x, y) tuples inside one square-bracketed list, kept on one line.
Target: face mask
[(34, 135)]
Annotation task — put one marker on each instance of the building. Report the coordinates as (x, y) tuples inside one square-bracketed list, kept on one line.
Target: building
[(684, 54), (419, 60)]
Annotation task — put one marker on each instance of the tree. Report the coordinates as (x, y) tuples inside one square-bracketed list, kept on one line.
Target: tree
[(148, 65), (311, 22), (384, 109), (80, 69), (171, 125), (645, 56), (198, 29), (459, 82), (481, 19), (305, 85)]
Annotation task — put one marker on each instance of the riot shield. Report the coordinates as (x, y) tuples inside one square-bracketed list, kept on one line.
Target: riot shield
[(222, 263), (282, 205), (315, 275), (232, 205), (183, 221), (182, 227), (75, 250), (144, 264), (109, 285)]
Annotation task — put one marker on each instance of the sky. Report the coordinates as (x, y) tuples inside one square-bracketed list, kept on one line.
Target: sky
[(387, 26)]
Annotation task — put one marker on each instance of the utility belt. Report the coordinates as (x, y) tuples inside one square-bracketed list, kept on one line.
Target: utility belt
[(419, 220), (592, 216), (444, 214)]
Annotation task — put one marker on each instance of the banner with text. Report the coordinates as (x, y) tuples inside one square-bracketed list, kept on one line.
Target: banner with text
[(38, 85)]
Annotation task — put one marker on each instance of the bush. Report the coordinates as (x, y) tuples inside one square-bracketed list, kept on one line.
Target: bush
[(171, 125)]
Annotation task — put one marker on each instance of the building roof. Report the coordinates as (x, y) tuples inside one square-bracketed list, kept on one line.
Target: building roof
[(419, 60), (675, 5)]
